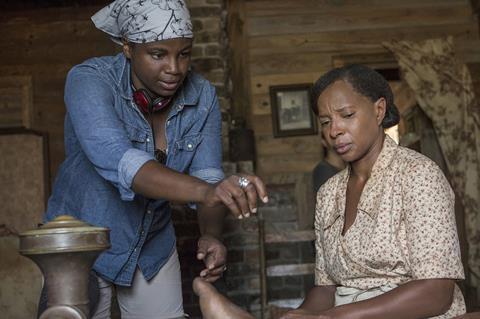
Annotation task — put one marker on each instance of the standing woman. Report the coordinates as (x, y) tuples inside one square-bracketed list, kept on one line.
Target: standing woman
[(141, 130), (387, 244)]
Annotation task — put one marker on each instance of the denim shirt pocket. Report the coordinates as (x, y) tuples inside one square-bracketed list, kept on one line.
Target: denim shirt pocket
[(185, 150), (137, 137)]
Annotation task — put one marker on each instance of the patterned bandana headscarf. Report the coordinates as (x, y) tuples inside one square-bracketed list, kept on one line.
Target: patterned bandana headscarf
[(142, 21)]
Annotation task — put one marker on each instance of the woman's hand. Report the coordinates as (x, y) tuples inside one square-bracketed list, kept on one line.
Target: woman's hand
[(214, 255), (239, 193)]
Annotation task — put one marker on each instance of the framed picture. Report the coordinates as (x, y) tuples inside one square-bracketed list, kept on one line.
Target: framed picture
[(291, 111)]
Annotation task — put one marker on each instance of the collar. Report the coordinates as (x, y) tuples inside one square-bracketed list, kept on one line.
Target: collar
[(374, 188)]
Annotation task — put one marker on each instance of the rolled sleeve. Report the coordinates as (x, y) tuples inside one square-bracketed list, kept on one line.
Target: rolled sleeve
[(209, 175), (128, 167)]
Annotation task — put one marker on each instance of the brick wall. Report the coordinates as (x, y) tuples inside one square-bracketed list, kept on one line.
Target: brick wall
[(208, 58), (241, 282), (210, 52)]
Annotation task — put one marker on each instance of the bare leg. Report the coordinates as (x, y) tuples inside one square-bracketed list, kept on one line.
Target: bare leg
[(214, 305)]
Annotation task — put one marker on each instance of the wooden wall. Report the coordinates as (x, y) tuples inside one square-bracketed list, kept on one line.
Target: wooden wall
[(41, 41), (295, 41), (44, 44)]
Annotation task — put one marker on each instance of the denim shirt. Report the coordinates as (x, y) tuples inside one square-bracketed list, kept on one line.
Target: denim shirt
[(107, 140)]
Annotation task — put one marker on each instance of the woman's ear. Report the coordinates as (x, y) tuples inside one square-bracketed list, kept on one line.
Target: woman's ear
[(380, 110), (127, 49)]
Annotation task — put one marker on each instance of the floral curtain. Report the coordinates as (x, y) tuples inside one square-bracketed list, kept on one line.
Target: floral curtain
[(444, 90)]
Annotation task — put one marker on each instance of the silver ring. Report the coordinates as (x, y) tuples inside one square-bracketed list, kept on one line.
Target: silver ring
[(243, 182)]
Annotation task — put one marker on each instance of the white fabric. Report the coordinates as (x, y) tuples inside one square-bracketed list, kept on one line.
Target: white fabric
[(142, 21), (346, 295), (159, 298)]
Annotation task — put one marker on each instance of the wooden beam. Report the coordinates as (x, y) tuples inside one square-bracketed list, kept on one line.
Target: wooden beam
[(238, 56)]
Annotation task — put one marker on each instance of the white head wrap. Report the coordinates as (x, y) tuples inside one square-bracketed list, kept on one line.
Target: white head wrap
[(142, 21)]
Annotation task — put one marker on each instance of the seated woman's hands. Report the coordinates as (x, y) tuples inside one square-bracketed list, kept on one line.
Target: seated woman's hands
[(238, 193)]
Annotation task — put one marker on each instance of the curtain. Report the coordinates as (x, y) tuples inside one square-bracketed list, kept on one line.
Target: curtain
[(444, 90)]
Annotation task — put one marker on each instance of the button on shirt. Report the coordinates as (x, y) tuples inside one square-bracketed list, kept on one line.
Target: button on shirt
[(107, 140), (404, 229)]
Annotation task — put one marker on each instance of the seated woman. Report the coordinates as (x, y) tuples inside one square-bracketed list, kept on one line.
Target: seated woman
[(387, 244)]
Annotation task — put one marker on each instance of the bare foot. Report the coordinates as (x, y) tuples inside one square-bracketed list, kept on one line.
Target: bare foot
[(214, 305)]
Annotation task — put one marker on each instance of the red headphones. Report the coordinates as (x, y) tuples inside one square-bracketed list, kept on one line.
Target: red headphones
[(147, 105)]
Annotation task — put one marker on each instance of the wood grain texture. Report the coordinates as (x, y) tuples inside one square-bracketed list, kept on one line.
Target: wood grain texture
[(358, 18), (355, 39), (286, 163), (23, 181), (268, 145)]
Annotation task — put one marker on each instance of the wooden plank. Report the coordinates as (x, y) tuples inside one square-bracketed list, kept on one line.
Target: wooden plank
[(290, 270), (62, 52), (290, 237), (262, 125), (359, 18), (287, 7), (74, 41), (290, 63), (54, 69), (238, 43), (260, 84), (292, 163), (49, 14), (36, 31), (261, 104), (352, 40), (268, 145)]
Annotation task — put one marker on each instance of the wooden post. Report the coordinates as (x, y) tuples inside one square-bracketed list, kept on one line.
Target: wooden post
[(263, 267)]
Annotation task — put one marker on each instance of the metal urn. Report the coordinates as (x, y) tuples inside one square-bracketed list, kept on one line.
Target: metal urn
[(65, 250)]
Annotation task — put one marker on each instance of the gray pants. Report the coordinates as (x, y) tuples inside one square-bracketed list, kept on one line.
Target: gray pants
[(159, 298)]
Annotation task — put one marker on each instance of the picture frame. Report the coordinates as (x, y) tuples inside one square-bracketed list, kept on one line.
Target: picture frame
[(291, 110), (16, 107)]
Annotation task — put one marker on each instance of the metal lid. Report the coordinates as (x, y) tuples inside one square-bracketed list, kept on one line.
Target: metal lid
[(63, 224), (64, 234)]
